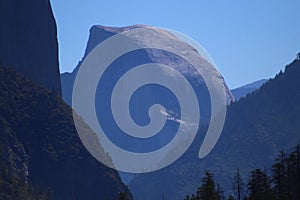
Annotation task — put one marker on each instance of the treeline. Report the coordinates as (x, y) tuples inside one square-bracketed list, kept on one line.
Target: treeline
[(283, 183)]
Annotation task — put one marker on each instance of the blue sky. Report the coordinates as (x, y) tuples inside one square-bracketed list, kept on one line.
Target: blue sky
[(248, 40)]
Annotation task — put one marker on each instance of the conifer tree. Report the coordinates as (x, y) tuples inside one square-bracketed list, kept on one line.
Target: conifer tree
[(279, 177), (259, 186), (238, 186), (207, 190)]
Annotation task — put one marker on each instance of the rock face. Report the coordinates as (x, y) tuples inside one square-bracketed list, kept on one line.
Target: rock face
[(148, 94), (100, 33), (28, 40)]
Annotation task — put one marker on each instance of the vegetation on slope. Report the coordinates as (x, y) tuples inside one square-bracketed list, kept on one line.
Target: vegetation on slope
[(41, 148)]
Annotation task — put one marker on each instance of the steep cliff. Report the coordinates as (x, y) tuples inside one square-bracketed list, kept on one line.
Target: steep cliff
[(28, 40)]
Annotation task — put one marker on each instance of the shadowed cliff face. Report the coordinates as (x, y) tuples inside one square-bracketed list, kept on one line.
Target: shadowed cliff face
[(28, 40)]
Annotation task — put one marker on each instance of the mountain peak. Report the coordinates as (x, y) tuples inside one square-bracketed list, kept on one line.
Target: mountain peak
[(99, 33)]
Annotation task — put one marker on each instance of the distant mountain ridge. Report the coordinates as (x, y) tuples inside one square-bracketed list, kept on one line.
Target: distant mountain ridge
[(247, 89)]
